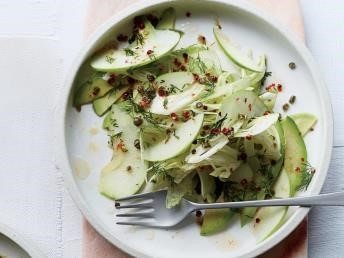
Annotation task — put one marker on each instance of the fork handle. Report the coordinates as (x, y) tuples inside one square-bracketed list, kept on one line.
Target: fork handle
[(331, 199)]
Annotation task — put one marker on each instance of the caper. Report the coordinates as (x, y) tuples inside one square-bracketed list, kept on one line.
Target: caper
[(137, 144), (292, 65), (138, 121), (292, 99), (199, 105)]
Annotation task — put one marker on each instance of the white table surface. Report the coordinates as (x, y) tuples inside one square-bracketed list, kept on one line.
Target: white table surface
[(38, 41)]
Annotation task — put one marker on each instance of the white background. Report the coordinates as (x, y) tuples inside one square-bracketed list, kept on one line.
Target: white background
[(38, 41)]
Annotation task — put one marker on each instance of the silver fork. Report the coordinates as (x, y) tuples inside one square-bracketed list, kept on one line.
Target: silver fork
[(149, 210)]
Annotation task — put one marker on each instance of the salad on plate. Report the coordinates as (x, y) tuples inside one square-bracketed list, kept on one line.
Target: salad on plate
[(199, 120)]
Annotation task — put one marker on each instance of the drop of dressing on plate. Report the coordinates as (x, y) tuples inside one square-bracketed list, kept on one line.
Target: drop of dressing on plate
[(93, 130), (92, 147), (227, 243), (81, 168)]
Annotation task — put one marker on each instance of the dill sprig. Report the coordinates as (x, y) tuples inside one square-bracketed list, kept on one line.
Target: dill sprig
[(266, 185), (210, 86), (132, 108), (171, 131), (233, 191), (94, 76), (267, 180), (109, 59), (197, 65), (157, 170), (266, 75), (173, 89), (113, 137), (129, 52), (139, 39), (165, 103), (148, 116), (217, 125), (152, 57), (113, 130), (307, 174)]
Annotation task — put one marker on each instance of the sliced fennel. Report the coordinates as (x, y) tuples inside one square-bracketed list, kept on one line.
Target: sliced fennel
[(269, 99), (201, 153), (176, 102), (242, 105), (257, 125), (268, 143)]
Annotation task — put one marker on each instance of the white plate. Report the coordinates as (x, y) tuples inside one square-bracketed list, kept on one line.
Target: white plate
[(14, 245), (82, 143)]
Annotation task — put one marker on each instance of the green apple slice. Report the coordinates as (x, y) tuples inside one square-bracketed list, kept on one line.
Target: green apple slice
[(176, 102), (103, 104), (91, 90), (185, 134), (126, 172), (152, 45), (268, 219), (234, 53), (167, 19), (176, 81), (183, 90)]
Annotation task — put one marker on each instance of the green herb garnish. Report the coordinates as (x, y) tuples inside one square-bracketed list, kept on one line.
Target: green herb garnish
[(307, 174), (109, 59), (129, 52)]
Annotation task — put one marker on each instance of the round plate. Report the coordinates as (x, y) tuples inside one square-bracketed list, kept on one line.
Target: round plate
[(12, 244), (82, 145)]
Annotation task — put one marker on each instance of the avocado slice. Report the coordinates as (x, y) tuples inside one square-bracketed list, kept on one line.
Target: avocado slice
[(208, 186), (215, 221), (247, 213), (304, 122), (295, 154)]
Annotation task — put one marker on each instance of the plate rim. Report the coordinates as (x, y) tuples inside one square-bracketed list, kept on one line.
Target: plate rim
[(62, 160), (24, 243)]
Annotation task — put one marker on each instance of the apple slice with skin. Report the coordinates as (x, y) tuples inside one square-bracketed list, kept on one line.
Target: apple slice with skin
[(126, 172), (186, 132), (151, 44), (268, 219)]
